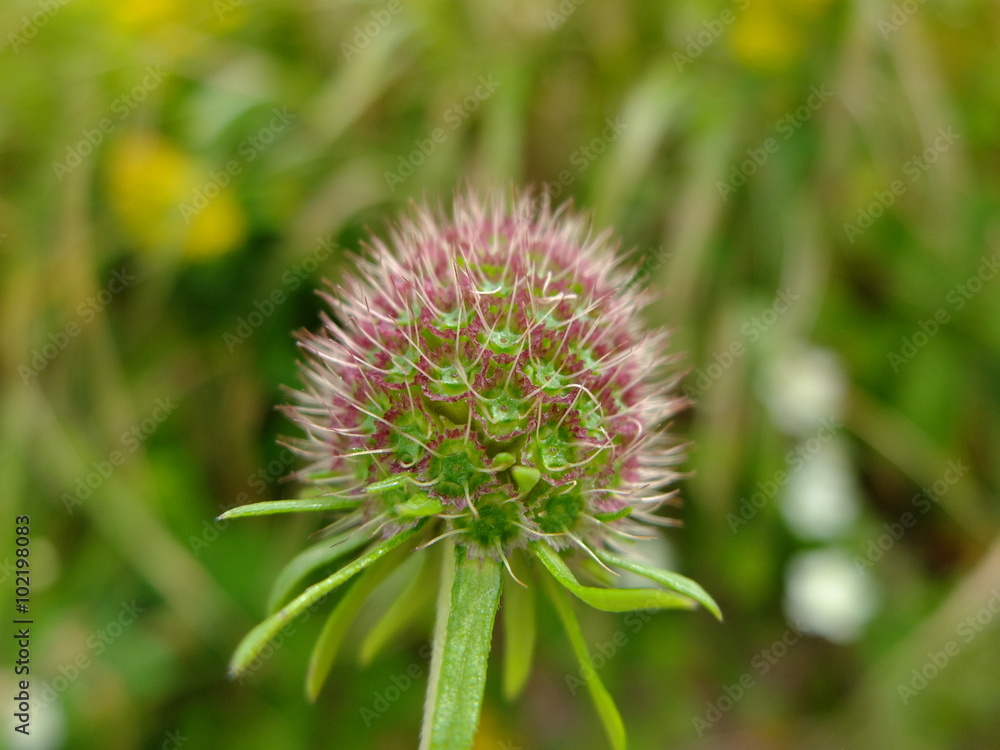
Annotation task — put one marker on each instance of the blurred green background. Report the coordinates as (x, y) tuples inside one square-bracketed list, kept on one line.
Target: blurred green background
[(812, 187)]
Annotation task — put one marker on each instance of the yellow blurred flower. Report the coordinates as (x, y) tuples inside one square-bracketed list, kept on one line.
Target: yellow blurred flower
[(217, 228), (146, 15), (771, 35), (764, 38), (153, 16), (165, 201), (175, 28)]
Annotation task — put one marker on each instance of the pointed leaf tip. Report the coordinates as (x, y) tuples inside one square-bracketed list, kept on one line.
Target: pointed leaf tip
[(255, 641), (301, 505), (525, 478), (674, 581), (608, 599)]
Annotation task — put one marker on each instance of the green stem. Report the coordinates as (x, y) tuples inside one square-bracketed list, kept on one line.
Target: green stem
[(461, 651)]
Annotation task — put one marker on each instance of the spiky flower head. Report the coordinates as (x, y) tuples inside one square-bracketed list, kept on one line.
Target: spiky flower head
[(490, 371), (485, 380)]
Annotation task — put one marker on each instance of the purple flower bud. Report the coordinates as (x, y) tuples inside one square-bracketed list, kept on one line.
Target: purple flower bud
[(491, 371)]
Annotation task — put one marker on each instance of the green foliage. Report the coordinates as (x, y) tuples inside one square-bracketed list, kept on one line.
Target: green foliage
[(608, 599), (251, 646), (200, 325), (603, 702)]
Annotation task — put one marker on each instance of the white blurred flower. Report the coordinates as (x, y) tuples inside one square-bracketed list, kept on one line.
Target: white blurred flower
[(821, 500), (47, 727), (827, 596), (802, 387)]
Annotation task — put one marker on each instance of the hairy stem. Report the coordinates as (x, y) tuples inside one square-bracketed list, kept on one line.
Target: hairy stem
[(461, 651)]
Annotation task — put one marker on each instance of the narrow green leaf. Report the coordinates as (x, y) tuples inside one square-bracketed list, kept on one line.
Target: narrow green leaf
[(328, 644), (456, 693), (290, 578), (518, 612), (402, 611), (300, 505), (603, 702), (670, 579), (608, 599), (260, 636)]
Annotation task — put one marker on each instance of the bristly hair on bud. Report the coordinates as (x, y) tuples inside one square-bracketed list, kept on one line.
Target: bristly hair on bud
[(482, 379), (491, 371)]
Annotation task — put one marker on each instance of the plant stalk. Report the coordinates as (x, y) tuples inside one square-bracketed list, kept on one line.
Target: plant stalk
[(461, 652)]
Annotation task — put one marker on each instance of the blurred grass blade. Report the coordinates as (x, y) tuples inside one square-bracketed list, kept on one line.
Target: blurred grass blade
[(603, 702), (291, 576), (401, 612), (260, 636), (518, 611), (340, 619), (608, 599), (455, 694), (301, 505), (670, 579)]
